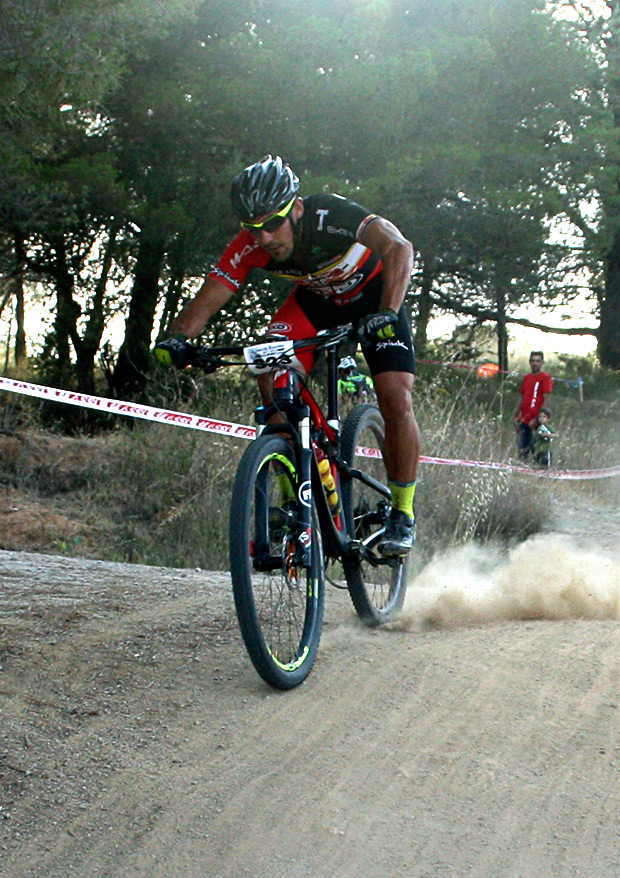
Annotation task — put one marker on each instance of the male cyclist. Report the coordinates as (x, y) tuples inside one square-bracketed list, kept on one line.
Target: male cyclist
[(348, 265)]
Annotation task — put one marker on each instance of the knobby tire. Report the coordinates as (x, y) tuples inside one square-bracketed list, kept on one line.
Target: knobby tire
[(377, 592), (279, 604)]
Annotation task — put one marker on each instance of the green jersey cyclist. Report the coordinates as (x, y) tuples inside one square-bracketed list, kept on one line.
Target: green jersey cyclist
[(348, 266)]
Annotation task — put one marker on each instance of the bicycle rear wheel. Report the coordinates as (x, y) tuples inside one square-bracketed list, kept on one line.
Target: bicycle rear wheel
[(279, 603), (377, 588)]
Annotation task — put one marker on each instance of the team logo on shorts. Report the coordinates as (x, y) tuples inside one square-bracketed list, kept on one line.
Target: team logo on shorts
[(280, 327), (391, 343)]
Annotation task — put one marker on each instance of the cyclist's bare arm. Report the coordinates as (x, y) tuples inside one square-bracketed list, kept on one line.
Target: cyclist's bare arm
[(396, 253), (211, 296)]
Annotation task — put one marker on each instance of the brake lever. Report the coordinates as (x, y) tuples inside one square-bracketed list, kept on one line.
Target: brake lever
[(206, 361)]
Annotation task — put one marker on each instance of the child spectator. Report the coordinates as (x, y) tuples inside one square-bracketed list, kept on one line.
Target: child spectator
[(544, 434)]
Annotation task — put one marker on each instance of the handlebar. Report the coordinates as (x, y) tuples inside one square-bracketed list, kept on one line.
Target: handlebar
[(209, 359)]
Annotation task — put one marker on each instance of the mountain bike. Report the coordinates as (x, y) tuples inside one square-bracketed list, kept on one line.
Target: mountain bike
[(307, 498)]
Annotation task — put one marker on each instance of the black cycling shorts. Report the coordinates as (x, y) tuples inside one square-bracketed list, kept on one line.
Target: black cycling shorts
[(303, 314)]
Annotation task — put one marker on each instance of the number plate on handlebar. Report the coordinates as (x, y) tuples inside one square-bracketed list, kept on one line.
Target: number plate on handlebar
[(269, 356)]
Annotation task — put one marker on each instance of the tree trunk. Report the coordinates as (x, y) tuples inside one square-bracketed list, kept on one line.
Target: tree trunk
[(91, 340), (173, 291), (425, 307), (20, 332), (609, 328), (134, 356), (501, 331), (67, 313)]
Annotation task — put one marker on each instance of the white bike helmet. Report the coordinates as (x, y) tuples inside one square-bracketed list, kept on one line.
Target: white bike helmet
[(347, 364)]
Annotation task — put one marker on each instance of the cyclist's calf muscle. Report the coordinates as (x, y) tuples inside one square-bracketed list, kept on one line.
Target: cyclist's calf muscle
[(402, 436)]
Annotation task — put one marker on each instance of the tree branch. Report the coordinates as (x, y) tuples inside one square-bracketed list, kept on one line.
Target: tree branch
[(488, 314)]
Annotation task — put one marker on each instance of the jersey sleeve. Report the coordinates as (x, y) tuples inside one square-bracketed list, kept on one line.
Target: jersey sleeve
[(237, 261), (364, 225)]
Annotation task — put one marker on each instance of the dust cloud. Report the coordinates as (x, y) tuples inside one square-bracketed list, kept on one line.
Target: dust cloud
[(543, 578)]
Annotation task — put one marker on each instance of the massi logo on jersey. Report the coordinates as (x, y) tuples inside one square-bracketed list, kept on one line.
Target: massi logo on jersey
[(237, 257), (346, 232)]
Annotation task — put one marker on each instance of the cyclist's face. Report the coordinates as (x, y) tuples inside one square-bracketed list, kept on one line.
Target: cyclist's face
[(281, 242)]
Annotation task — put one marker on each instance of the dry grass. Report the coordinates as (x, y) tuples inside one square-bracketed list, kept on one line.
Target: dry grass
[(159, 495)]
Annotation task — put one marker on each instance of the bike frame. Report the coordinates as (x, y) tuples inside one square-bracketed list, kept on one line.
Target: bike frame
[(310, 429), (306, 420)]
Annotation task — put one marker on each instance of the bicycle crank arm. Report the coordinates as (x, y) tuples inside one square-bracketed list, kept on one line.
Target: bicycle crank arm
[(356, 550)]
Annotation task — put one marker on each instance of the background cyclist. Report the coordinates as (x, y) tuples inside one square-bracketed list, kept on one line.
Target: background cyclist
[(352, 383), (348, 265)]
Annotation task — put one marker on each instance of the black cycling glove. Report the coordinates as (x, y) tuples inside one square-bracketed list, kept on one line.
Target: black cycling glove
[(377, 326), (174, 351)]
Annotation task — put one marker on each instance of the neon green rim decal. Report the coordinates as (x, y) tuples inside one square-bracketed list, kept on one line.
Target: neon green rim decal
[(292, 666)]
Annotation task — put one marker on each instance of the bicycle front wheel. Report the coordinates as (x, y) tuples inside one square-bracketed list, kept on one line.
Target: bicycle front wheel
[(377, 586), (279, 603)]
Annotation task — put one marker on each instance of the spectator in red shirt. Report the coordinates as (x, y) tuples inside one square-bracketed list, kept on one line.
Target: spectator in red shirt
[(536, 389)]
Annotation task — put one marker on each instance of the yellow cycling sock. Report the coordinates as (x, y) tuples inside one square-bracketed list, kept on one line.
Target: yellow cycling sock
[(403, 495)]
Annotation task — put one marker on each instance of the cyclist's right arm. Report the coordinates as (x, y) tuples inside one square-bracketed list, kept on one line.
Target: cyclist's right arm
[(211, 296), (176, 350), (238, 259)]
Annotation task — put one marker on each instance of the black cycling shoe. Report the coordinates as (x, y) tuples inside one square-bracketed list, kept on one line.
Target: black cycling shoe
[(399, 535)]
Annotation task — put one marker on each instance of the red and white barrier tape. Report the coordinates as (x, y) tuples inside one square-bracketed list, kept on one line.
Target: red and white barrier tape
[(508, 467), (242, 431), (129, 409), (572, 475)]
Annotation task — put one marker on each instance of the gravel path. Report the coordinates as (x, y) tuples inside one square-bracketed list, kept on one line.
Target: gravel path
[(479, 737)]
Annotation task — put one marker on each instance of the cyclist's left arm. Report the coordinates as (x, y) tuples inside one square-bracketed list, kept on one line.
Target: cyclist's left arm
[(396, 253)]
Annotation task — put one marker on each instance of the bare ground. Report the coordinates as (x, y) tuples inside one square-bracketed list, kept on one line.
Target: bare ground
[(479, 737)]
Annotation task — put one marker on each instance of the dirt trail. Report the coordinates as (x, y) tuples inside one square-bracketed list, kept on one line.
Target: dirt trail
[(478, 738)]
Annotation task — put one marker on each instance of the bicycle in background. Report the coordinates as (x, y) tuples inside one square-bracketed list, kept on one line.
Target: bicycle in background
[(306, 495)]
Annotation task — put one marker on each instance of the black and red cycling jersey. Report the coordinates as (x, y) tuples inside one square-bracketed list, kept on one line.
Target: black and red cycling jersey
[(329, 258)]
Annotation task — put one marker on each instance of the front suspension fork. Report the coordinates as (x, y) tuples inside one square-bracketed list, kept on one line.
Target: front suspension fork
[(306, 535)]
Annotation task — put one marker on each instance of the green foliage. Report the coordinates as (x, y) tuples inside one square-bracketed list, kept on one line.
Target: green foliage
[(470, 123), (599, 382)]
